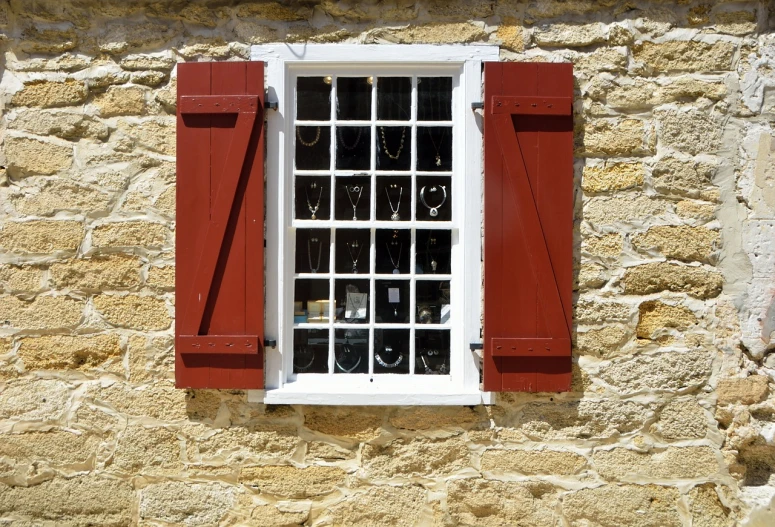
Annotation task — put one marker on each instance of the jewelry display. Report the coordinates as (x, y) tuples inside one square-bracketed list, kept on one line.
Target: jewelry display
[(434, 210), (350, 247), (397, 262), (347, 350), (388, 350), (395, 216), (431, 241), (425, 315), (400, 146), (437, 147), (310, 143), (303, 350), (314, 209), (309, 253), (430, 371), (353, 189), (344, 144)]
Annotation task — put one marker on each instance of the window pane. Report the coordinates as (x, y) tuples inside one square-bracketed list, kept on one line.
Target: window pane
[(310, 301), (351, 351), (431, 352), (352, 147), (353, 98), (433, 302), (313, 247), (394, 98), (391, 351), (394, 196), (434, 250), (353, 196), (313, 200), (434, 148), (394, 147), (434, 99), (310, 350), (313, 147), (393, 251), (352, 301), (313, 98), (392, 301), (434, 198)]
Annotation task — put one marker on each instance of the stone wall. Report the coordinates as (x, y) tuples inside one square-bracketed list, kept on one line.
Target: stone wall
[(672, 417)]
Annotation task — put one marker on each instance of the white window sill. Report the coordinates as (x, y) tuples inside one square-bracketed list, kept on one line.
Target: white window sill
[(292, 396)]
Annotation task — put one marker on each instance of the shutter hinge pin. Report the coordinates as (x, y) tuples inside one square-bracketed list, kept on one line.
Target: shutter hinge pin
[(270, 343), (477, 106), (270, 105)]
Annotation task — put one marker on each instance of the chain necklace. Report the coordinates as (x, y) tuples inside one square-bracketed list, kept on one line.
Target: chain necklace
[(395, 216), (397, 262), (437, 147), (430, 371), (354, 189), (309, 254), (431, 241), (346, 348), (354, 258), (400, 146), (434, 211), (384, 364), (305, 143), (302, 369), (314, 209), (345, 145)]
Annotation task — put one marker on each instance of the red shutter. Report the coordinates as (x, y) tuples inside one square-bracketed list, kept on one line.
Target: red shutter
[(528, 226), (219, 252)]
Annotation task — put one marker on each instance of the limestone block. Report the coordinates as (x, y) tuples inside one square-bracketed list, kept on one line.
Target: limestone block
[(263, 443), (147, 62), (680, 242), (605, 210), (602, 59), (622, 137), (569, 35), (595, 311), (186, 503), (202, 15), (167, 96), (747, 390), (252, 31), (663, 372), (616, 176), (122, 36), (328, 452), (606, 342), (420, 456), (64, 352), (150, 359), (694, 210), (134, 311), (707, 509), (51, 94), (663, 276), (631, 505), (67, 63), (83, 500), (681, 419), (606, 246), (148, 451), (134, 233), (554, 462), (736, 22), (34, 400), (674, 462), (121, 101), (97, 273), (48, 40), (592, 276), (28, 156), (61, 124), (271, 516), (162, 277), (156, 135), (54, 195), (655, 315), (43, 312), (479, 502), (151, 79), (433, 417), (159, 400), (58, 449), (292, 482), (24, 278), (640, 95), (689, 55), (103, 79), (511, 34), (436, 33), (165, 203), (688, 178), (350, 422), (572, 7), (273, 11), (691, 131), (384, 505), (395, 10)]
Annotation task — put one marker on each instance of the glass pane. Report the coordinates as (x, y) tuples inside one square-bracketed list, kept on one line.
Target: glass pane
[(393, 198), (434, 198), (353, 196), (313, 200), (434, 148), (351, 352), (352, 147), (310, 350), (353, 98), (313, 98), (431, 352), (310, 301), (352, 300), (433, 302), (352, 251), (394, 147), (434, 249), (393, 251), (434, 99), (313, 247), (313, 147), (391, 351), (392, 301), (394, 98)]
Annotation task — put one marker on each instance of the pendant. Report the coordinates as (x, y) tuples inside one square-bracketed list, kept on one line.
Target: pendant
[(434, 212), (355, 268), (438, 161), (314, 217), (355, 218), (396, 271), (395, 216)]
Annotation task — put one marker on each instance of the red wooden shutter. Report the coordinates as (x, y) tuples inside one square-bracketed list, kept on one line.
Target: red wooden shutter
[(219, 252), (528, 226)]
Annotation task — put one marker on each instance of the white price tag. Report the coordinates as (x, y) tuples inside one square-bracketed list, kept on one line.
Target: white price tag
[(394, 295), (356, 305)]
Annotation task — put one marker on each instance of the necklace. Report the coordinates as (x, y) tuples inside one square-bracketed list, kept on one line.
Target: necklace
[(397, 262), (395, 216), (400, 146), (345, 145), (431, 241), (436, 147), (309, 254), (314, 209), (311, 143), (354, 258), (434, 210), (430, 371), (384, 364), (347, 349), (308, 365), (354, 189)]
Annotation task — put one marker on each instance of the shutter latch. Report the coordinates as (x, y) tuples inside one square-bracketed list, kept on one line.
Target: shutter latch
[(477, 106), (269, 343)]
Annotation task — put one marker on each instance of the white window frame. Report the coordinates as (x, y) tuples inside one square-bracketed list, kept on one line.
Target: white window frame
[(462, 386)]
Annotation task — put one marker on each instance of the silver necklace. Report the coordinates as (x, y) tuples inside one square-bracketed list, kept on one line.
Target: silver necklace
[(308, 365), (441, 142), (310, 143), (356, 258), (397, 262), (354, 189), (309, 253), (430, 371), (395, 216), (434, 210), (345, 145), (346, 348), (314, 209), (384, 364)]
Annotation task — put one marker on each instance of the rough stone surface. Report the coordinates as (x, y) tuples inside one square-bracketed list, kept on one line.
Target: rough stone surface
[(688, 56), (40, 236), (655, 315), (134, 311), (130, 234), (669, 371), (605, 210), (62, 352), (357, 424), (654, 277), (384, 505), (587, 419), (617, 176), (688, 244), (36, 400), (606, 342), (147, 451), (748, 390), (97, 274), (614, 505), (121, 101), (29, 156), (568, 35), (17, 278), (532, 462), (46, 94), (55, 195), (419, 456), (625, 137), (291, 482), (706, 507), (63, 124), (692, 132), (186, 503), (431, 418), (679, 177), (42, 312), (483, 503), (681, 419), (674, 462)]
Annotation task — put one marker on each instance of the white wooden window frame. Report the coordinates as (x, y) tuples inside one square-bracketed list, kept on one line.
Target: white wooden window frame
[(461, 386)]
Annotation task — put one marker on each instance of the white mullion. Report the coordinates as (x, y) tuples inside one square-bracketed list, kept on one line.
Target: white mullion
[(413, 244), (332, 233), (372, 292), (372, 219)]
